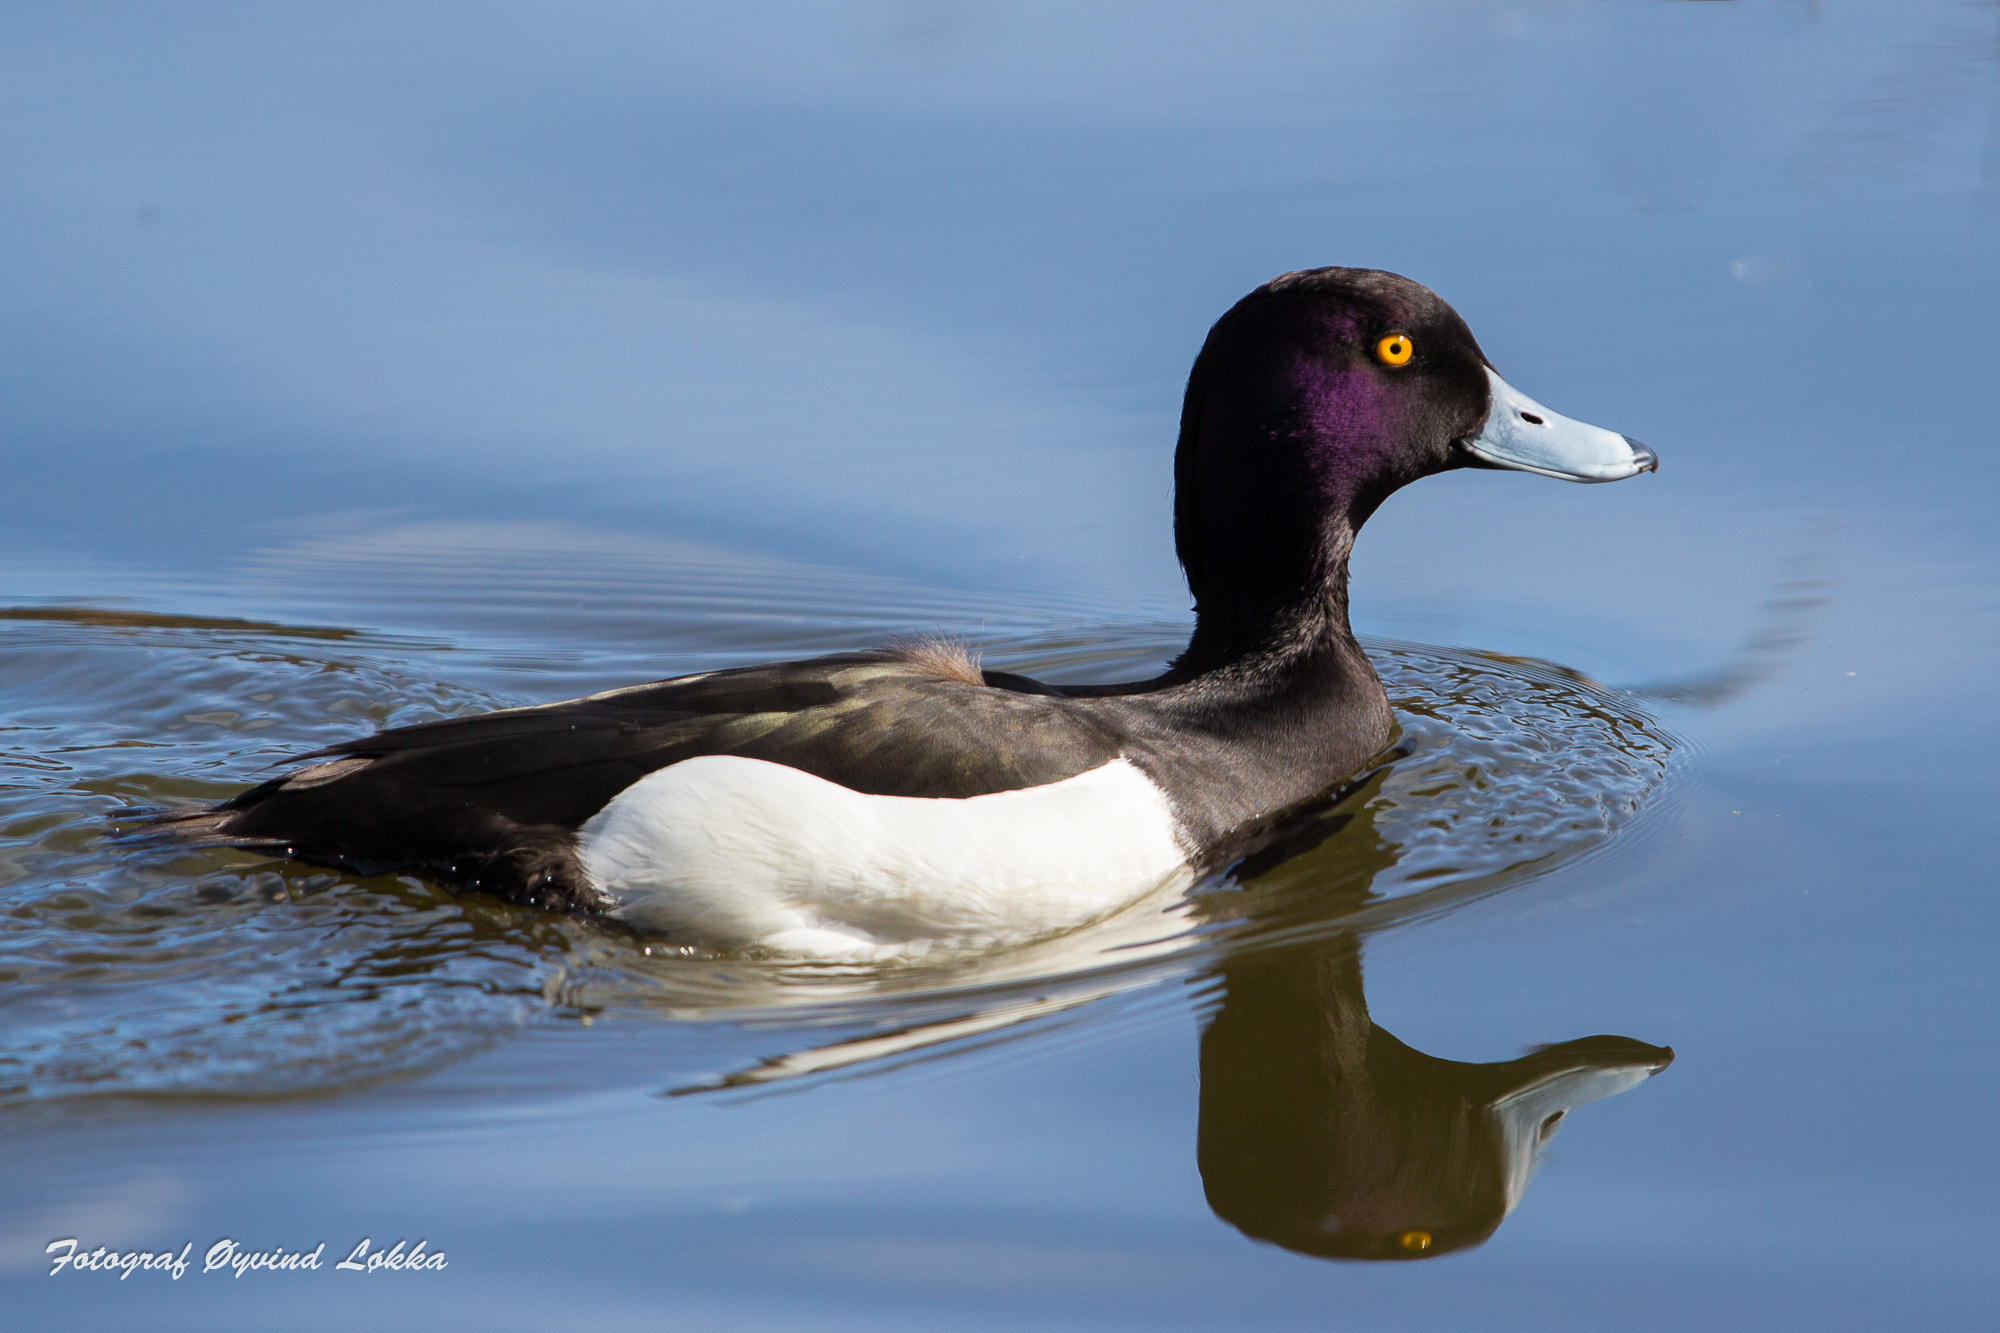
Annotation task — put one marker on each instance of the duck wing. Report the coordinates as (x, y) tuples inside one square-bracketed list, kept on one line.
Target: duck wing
[(493, 801)]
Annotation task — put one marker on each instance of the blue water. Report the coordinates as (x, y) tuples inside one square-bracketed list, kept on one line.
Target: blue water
[(369, 364)]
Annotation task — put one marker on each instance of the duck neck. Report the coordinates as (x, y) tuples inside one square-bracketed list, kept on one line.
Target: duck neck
[(1266, 526), (1296, 621), (1287, 676)]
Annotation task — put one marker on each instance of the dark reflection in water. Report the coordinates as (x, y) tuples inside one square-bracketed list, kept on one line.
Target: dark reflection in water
[(1322, 1133)]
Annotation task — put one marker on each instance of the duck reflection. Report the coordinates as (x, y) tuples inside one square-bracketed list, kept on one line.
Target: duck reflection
[(1323, 1133)]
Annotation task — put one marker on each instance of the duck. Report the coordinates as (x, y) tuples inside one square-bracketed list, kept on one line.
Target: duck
[(891, 803)]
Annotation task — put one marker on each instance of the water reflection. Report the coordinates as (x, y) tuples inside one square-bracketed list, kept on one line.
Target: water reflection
[(1323, 1133)]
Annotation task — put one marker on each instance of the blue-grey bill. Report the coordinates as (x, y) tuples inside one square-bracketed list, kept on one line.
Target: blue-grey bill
[(1529, 1115), (1524, 436)]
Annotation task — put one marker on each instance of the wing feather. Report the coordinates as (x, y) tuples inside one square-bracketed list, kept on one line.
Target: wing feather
[(875, 723)]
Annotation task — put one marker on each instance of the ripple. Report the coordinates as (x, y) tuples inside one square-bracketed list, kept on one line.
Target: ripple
[(174, 974)]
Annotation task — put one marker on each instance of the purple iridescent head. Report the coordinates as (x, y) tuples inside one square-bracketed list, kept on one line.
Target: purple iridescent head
[(1318, 395)]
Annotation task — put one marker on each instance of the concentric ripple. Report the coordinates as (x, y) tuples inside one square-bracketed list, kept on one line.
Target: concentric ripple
[(132, 972)]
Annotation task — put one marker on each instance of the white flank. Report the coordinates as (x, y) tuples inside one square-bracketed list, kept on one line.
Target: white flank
[(740, 852)]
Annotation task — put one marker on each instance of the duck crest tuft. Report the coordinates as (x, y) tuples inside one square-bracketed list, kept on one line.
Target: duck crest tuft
[(947, 659)]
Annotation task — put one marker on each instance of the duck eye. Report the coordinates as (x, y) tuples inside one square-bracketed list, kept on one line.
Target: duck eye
[(1395, 350), (1417, 1241)]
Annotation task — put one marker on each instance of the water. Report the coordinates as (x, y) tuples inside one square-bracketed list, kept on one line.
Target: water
[(371, 367)]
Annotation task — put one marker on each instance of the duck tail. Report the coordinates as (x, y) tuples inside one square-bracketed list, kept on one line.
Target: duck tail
[(208, 826)]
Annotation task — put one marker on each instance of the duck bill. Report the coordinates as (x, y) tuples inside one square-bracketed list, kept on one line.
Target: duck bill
[(1555, 1081), (1523, 436)]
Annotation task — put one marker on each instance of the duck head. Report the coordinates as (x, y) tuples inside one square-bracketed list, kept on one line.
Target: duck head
[(1313, 399)]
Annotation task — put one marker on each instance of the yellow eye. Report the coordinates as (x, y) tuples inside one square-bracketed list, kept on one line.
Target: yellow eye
[(1395, 350), (1411, 1240)]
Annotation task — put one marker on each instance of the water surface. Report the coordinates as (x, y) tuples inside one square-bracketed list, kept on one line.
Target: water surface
[(370, 367)]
